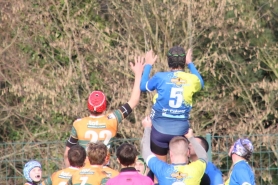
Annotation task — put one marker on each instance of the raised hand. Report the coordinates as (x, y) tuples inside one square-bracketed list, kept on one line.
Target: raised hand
[(150, 58), (189, 134), (147, 122), (138, 65), (188, 59)]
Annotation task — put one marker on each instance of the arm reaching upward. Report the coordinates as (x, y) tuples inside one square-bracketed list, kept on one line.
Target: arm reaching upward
[(199, 149), (192, 68), (137, 68), (145, 143), (150, 58)]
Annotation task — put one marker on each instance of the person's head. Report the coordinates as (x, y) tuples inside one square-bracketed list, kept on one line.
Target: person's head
[(76, 156), (202, 141), (242, 148), (96, 102), (96, 153), (32, 171), (126, 154), (178, 147), (140, 165), (176, 57)]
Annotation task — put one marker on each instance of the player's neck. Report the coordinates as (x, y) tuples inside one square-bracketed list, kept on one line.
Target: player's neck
[(179, 160), (193, 158), (96, 115), (176, 69), (236, 158), (96, 166), (132, 165), (75, 167)]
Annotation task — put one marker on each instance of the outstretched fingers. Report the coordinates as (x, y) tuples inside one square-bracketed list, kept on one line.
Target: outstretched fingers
[(138, 65)]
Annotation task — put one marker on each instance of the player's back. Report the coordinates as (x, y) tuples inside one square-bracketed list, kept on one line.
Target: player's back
[(93, 175), (241, 173), (94, 128), (175, 90), (214, 174), (60, 177), (189, 174)]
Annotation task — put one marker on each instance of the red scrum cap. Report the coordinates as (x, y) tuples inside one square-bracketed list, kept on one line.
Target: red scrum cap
[(97, 102)]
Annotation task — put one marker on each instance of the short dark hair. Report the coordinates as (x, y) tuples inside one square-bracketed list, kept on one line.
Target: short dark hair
[(126, 154), (176, 57), (204, 143), (77, 156), (97, 153)]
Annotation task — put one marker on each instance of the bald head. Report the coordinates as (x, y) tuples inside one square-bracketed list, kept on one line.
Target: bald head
[(179, 146)]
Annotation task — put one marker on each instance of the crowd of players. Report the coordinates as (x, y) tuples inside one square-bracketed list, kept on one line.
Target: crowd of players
[(167, 135)]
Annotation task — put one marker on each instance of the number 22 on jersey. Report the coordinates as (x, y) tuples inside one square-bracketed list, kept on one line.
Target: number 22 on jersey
[(94, 136)]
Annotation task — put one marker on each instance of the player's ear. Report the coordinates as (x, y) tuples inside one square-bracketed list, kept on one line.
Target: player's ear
[(170, 154), (118, 160), (188, 152)]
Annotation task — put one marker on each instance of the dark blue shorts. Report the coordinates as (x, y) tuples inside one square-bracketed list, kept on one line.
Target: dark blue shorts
[(160, 142)]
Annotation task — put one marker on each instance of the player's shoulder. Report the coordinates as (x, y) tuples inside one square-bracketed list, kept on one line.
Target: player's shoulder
[(69, 170), (212, 168), (161, 74), (78, 120), (242, 167), (110, 172), (211, 165), (184, 74), (86, 119), (63, 174), (241, 164), (117, 114), (152, 160), (111, 115), (200, 163)]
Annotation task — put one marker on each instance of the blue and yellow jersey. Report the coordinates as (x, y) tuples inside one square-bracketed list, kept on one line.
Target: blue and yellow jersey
[(215, 175), (175, 90), (60, 177), (177, 174), (241, 174)]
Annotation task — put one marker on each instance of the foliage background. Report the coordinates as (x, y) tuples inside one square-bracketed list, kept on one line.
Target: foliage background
[(54, 53)]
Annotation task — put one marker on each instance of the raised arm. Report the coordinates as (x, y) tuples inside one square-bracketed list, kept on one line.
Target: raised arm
[(150, 58), (145, 143), (137, 69), (192, 67), (199, 149)]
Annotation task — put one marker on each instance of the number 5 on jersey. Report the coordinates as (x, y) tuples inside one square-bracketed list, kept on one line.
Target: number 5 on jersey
[(176, 97)]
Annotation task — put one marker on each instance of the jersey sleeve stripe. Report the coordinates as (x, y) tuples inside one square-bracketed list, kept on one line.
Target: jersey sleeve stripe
[(147, 87), (148, 159), (119, 115)]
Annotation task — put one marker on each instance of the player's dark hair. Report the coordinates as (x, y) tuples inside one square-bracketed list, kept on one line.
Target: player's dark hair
[(126, 154), (204, 143), (176, 57), (77, 156), (97, 153)]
